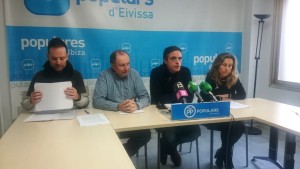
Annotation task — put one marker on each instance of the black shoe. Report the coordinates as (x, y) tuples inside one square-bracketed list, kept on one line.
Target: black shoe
[(229, 164), (176, 159), (163, 156), (229, 167), (219, 158)]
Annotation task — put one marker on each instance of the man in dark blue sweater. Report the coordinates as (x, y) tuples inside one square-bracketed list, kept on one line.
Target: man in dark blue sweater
[(162, 81)]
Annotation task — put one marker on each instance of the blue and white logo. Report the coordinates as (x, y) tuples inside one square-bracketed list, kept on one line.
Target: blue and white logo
[(95, 64), (200, 110), (126, 47), (228, 47), (183, 48), (27, 64), (47, 7), (154, 63), (190, 111)]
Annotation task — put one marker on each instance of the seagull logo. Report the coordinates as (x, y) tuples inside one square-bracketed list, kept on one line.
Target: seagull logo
[(28, 64)]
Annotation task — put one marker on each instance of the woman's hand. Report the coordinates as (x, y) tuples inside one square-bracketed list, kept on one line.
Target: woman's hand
[(223, 97)]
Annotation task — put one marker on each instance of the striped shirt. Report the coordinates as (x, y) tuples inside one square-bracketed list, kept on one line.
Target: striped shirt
[(110, 90)]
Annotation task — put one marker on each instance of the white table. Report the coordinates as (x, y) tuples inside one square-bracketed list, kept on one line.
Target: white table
[(61, 145)]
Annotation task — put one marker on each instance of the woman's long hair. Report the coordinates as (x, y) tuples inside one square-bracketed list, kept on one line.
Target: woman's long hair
[(232, 78)]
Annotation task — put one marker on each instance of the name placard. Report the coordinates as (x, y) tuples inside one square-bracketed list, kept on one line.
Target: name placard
[(200, 110)]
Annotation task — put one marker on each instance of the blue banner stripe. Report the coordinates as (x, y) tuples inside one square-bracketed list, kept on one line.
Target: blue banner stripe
[(89, 49)]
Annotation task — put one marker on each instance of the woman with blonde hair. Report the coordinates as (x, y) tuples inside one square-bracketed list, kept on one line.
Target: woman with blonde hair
[(223, 77)]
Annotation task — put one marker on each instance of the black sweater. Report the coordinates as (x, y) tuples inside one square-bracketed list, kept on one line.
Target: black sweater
[(162, 84), (49, 75), (236, 92)]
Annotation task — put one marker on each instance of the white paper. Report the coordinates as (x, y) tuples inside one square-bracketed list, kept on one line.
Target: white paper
[(135, 112), (52, 115), (235, 105), (92, 119), (54, 97), (169, 105)]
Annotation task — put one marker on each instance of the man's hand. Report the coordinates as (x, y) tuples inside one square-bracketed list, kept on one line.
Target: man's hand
[(35, 97), (128, 106), (71, 93)]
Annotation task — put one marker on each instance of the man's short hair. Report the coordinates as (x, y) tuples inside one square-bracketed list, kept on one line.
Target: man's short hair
[(168, 50), (113, 55), (56, 43)]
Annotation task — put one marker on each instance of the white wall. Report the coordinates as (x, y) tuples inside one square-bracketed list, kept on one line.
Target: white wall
[(5, 105), (263, 88), (248, 63), (1, 49), (245, 66), (1, 117)]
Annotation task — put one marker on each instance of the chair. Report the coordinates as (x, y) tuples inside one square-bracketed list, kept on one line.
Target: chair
[(180, 143), (87, 89), (191, 143), (146, 156), (123, 140), (212, 147)]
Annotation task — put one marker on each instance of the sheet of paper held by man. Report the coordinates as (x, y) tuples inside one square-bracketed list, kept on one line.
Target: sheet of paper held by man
[(54, 97)]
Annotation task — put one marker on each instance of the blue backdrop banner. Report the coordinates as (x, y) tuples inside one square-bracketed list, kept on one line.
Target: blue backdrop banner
[(90, 48)]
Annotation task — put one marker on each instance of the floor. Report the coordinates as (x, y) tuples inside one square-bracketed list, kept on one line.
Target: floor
[(258, 146)]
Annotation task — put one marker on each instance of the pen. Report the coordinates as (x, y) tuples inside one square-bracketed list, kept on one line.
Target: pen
[(296, 112), (87, 112)]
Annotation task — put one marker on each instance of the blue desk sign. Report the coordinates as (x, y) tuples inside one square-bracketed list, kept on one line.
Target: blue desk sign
[(200, 110)]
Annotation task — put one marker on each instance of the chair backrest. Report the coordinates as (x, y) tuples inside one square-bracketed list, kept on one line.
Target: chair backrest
[(23, 94), (87, 90)]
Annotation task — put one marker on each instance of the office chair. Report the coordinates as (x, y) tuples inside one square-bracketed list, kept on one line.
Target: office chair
[(212, 147), (123, 140), (146, 156), (180, 143), (191, 143)]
